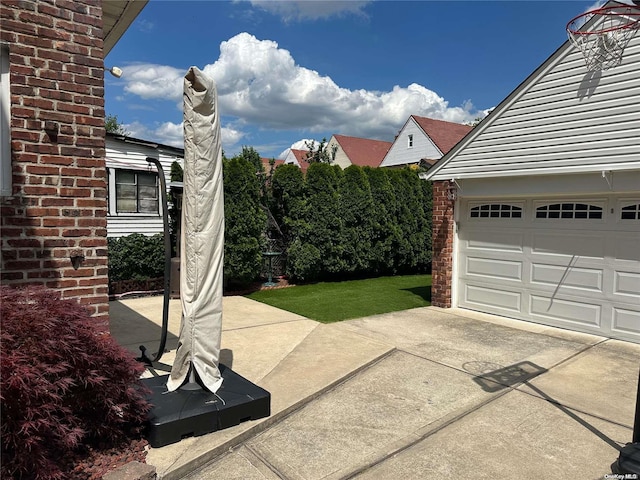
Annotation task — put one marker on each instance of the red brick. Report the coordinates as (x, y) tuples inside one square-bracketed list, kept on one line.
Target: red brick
[(42, 212), (80, 272), (92, 222), (76, 232), (58, 222), (57, 202), (75, 192), (67, 283)]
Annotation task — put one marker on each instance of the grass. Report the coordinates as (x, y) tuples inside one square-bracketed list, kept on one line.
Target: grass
[(329, 302)]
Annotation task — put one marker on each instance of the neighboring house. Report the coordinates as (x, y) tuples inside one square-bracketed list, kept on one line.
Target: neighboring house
[(52, 144), (537, 211), (297, 157), (423, 139), (133, 188), (357, 151), (266, 163)]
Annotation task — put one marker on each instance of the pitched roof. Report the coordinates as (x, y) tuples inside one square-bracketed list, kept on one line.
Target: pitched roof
[(363, 151), (444, 134), (301, 157), (265, 163)]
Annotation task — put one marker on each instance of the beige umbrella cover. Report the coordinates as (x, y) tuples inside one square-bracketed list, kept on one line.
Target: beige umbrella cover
[(202, 236)]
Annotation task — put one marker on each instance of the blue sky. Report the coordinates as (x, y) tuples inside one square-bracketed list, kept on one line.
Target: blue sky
[(296, 70)]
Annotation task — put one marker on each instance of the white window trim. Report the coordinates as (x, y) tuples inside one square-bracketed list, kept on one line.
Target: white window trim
[(410, 140), (625, 202), (596, 203), (520, 205), (5, 123)]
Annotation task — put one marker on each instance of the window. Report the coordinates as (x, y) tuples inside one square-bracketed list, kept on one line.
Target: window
[(630, 212), (569, 210), (5, 137), (496, 210), (410, 140), (136, 192)]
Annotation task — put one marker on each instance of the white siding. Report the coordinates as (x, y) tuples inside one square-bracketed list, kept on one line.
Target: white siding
[(131, 156), (401, 154), (563, 119), (341, 158), (123, 225), (291, 159)]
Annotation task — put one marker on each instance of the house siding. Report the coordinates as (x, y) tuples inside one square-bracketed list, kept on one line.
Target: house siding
[(400, 154), (565, 120), (57, 208), (130, 156), (342, 160)]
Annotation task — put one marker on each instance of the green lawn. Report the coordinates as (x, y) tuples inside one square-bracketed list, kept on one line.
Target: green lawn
[(334, 301)]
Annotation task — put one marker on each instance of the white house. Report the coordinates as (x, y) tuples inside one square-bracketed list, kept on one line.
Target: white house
[(537, 210), (423, 138), (133, 188)]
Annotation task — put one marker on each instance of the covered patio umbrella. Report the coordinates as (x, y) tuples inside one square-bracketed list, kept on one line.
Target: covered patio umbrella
[(202, 238)]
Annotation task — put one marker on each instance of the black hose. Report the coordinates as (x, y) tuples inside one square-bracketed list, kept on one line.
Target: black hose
[(167, 269)]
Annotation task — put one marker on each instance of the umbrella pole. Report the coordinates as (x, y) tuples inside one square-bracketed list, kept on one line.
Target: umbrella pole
[(167, 268)]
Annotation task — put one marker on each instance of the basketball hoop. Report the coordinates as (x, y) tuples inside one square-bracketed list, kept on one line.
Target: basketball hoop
[(611, 29)]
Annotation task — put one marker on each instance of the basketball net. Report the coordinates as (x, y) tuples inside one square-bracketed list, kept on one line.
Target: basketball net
[(608, 31)]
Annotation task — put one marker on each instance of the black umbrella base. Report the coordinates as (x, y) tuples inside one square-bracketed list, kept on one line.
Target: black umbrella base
[(186, 413), (628, 462)]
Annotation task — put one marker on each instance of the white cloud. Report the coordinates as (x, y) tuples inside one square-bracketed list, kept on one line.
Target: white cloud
[(169, 133), (299, 145), (260, 84), (299, 10), (153, 81)]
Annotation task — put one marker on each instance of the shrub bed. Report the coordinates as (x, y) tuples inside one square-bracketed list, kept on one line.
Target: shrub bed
[(65, 388)]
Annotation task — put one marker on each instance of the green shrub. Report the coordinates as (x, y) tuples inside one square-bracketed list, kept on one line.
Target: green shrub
[(136, 257), (245, 221)]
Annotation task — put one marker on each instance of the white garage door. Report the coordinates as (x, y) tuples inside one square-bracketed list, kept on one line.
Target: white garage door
[(570, 263)]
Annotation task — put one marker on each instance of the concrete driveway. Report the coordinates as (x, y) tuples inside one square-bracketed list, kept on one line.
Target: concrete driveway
[(423, 393)]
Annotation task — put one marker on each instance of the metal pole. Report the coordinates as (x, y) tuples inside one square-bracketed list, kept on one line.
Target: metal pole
[(167, 266), (636, 423)]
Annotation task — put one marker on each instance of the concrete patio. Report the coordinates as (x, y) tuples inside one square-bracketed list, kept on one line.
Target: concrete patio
[(422, 393)]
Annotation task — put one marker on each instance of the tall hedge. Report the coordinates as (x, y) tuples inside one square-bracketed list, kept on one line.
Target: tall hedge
[(245, 221), (385, 230), (288, 199), (356, 212), (355, 222)]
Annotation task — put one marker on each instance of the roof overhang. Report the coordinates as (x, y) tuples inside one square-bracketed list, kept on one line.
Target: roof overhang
[(117, 16)]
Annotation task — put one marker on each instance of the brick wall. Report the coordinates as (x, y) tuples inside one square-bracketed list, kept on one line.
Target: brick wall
[(54, 224), (443, 221)]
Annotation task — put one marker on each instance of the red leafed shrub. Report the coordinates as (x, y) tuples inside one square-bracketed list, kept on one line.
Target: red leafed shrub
[(64, 387)]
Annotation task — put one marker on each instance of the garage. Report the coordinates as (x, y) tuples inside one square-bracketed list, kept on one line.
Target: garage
[(566, 262), (535, 211)]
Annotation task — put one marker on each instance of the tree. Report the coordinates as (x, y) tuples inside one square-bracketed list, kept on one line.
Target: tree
[(386, 232), (320, 154), (356, 211), (245, 221), (112, 125)]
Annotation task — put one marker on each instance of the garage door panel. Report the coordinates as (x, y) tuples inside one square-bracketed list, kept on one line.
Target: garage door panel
[(496, 298), (626, 320), (627, 283), (627, 249), (567, 277), (493, 268), (569, 244), (575, 311), (496, 240)]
